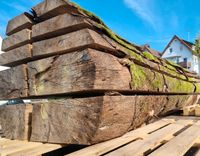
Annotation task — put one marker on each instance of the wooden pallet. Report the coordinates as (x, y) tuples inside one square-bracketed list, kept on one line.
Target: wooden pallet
[(23, 148), (171, 136), (193, 110)]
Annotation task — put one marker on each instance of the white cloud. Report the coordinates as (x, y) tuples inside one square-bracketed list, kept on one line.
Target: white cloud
[(145, 10)]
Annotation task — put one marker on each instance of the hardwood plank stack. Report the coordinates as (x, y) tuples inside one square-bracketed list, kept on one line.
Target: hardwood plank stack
[(98, 85)]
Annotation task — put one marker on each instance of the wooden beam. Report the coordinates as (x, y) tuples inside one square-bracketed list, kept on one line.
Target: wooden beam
[(18, 23), (16, 121), (16, 40), (81, 71), (49, 9), (59, 25), (95, 119), (84, 38), (13, 83), (16, 56)]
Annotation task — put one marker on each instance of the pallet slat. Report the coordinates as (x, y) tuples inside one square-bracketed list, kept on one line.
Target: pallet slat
[(24, 148), (179, 145), (139, 147), (41, 149)]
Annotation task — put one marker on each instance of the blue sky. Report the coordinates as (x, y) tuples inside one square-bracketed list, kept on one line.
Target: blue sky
[(140, 21)]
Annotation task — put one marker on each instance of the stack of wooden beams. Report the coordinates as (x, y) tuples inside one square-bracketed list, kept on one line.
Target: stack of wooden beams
[(98, 86)]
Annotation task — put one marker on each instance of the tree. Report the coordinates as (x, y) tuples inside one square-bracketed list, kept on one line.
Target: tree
[(197, 45)]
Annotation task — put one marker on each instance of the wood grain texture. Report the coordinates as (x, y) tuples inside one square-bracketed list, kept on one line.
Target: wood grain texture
[(16, 56), (58, 25), (13, 83), (82, 121), (95, 119), (84, 38), (18, 23), (16, 40), (16, 121), (85, 70), (49, 8)]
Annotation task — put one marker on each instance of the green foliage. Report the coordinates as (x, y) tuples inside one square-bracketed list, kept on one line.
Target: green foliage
[(139, 75), (149, 56), (197, 46)]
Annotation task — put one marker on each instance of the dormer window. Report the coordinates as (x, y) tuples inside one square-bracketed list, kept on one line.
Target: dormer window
[(170, 50)]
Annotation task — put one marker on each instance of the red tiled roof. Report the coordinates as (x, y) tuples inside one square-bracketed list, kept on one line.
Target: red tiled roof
[(147, 48)]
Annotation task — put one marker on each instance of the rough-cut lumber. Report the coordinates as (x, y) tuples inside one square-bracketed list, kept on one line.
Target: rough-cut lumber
[(13, 83), (59, 25), (69, 42), (49, 8), (16, 40), (92, 120), (85, 70), (180, 145), (16, 121), (16, 56), (18, 23)]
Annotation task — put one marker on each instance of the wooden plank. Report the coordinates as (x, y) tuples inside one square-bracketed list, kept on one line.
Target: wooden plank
[(197, 110), (16, 56), (36, 151), (16, 40), (59, 25), (84, 38), (49, 9), (194, 118), (82, 120), (189, 110), (19, 146), (13, 83), (16, 121), (18, 23), (179, 145), (4, 141), (104, 147), (139, 147), (80, 71)]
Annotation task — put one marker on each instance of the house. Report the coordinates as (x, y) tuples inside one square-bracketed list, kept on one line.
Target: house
[(147, 48), (182, 52)]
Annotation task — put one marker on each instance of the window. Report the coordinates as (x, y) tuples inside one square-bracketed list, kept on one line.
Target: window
[(195, 60), (170, 50), (177, 60), (185, 59), (181, 48)]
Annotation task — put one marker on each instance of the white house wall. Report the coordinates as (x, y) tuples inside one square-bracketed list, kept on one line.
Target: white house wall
[(184, 52)]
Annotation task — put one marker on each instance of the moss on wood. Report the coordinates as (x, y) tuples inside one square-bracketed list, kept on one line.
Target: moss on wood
[(140, 76)]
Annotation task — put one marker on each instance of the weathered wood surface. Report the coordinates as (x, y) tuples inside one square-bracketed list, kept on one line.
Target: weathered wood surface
[(23, 148), (69, 42), (13, 83), (49, 8), (16, 56), (85, 70), (16, 40), (95, 119), (59, 25), (18, 23), (16, 121)]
